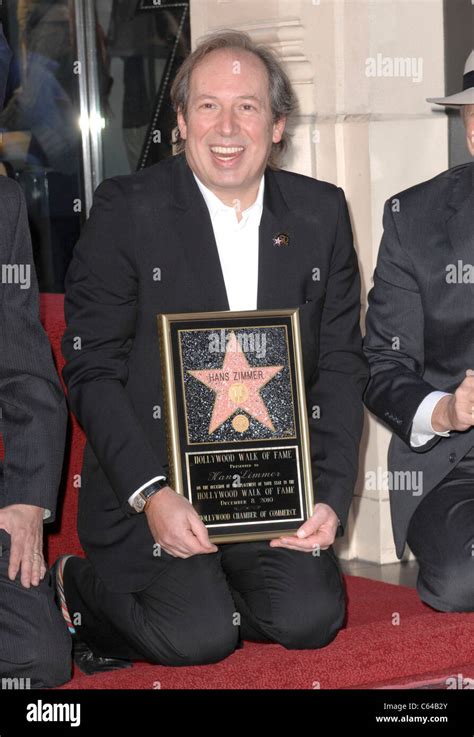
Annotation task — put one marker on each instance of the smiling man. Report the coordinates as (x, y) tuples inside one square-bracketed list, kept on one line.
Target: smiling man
[(218, 226), (229, 137)]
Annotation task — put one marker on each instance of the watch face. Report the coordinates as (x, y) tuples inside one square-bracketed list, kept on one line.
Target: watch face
[(139, 503)]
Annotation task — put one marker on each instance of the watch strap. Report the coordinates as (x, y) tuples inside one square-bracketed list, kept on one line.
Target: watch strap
[(147, 493)]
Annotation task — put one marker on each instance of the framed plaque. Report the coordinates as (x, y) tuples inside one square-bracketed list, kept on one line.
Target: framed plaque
[(237, 425)]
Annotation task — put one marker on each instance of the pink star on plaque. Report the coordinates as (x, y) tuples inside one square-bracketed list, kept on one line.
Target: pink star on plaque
[(237, 385)]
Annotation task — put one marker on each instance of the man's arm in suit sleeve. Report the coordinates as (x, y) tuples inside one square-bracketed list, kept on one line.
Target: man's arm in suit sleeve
[(34, 413), (394, 341), (341, 378), (100, 309)]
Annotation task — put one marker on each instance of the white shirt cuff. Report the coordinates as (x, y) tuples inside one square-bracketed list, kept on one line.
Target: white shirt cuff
[(46, 514), (422, 429), (148, 483)]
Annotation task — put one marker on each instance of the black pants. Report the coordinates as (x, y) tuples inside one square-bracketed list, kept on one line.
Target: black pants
[(35, 646), (198, 609), (441, 536)]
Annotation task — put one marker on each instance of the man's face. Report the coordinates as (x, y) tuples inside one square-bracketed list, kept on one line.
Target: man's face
[(228, 128), (469, 122)]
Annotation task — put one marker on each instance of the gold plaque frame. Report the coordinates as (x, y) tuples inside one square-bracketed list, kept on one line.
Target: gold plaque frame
[(179, 476)]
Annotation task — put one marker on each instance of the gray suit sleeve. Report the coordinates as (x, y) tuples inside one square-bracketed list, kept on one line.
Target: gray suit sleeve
[(394, 341), (32, 404)]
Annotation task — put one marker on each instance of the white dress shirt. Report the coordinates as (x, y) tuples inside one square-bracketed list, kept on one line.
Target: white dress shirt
[(237, 245), (422, 429)]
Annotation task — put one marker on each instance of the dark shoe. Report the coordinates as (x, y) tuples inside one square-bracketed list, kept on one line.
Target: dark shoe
[(90, 663), (85, 659)]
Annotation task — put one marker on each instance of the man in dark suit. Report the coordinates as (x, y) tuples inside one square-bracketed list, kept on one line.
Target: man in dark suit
[(420, 346), (199, 232), (35, 648)]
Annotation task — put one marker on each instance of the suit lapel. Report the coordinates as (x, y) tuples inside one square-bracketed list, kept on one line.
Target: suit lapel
[(193, 226), (274, 261), (460, 222)]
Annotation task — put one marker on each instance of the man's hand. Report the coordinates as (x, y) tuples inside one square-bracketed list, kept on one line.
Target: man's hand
[(176, 526), (24, 524), (318, 532), (456, 411)]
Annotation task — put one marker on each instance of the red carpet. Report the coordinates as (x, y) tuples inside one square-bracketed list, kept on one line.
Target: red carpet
[(370, 652)]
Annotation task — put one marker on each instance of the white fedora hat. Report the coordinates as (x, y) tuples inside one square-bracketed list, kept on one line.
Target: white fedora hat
[(466, 97)]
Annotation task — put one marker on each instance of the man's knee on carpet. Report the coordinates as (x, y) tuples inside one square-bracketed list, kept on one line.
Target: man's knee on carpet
[(203, 641), (312, 624), (36, 645), (55, 668), (42, 657), (190, 619), (450, 587)]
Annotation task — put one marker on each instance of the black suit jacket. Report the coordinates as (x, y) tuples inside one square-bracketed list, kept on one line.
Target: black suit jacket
[(427, 228), (33, 406), (149, 247)]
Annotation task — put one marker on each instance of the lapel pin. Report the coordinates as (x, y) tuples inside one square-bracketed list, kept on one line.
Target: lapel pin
[(282, 239)]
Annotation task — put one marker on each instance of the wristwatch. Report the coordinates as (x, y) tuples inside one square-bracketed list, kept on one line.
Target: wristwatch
[(143, 496)]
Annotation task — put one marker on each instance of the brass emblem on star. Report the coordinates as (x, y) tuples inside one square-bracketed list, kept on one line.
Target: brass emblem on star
[(240, 423)]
